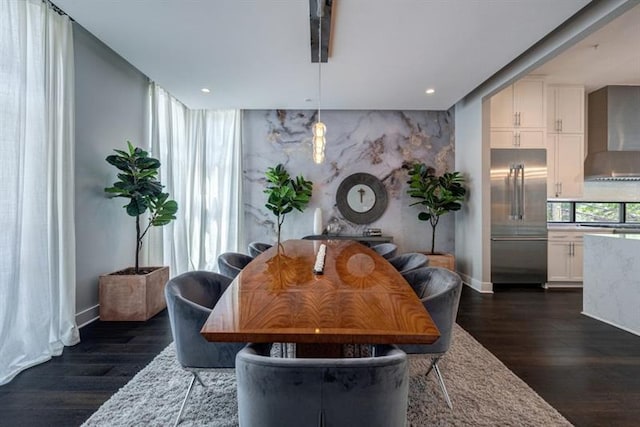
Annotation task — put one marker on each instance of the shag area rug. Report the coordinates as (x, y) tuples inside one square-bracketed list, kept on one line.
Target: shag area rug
[(484, 392)]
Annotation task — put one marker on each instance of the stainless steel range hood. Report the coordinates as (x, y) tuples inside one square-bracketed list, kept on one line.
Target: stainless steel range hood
[(614, 134)]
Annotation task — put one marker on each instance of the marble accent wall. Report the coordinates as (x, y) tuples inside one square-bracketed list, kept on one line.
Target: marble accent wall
[(375, 142)]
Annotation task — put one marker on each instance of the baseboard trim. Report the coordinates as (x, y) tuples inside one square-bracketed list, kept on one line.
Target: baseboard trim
[(89, 315), (608, 322), (477, 285)]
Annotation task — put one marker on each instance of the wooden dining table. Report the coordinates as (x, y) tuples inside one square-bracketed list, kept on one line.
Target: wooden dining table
[(359, 298)]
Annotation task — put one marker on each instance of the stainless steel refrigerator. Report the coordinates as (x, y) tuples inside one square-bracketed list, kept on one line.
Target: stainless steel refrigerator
[(518, 216)]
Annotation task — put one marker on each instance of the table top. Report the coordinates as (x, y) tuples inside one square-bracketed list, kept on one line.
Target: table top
[(359, 299)]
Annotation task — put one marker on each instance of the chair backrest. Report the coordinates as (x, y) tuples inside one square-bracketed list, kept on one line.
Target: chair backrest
[(256, 248), (282, 392), (190, 298), (409, 261), (439, 290), (231, 264), (386, 250)]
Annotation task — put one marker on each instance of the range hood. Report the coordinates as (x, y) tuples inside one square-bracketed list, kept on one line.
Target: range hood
[(614, 134)]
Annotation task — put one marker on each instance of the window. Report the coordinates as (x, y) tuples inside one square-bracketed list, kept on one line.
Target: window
[(632, 212), (559, 212), (597, 212)]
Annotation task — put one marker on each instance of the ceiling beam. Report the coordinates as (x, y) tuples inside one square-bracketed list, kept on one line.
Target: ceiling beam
[(326, 29)]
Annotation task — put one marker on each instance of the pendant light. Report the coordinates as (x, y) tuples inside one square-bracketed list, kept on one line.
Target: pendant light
[(319, 128)]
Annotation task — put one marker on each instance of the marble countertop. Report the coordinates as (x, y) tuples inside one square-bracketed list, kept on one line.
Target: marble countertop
[(630, 236)]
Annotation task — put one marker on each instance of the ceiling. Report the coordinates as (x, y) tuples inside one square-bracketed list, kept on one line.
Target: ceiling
[(254, 54), (609, 56)]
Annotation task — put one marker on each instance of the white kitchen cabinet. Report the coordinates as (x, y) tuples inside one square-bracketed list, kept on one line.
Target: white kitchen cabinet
[(565, 109), (508, 138), (565, 165), (565, 257), (520, 105)]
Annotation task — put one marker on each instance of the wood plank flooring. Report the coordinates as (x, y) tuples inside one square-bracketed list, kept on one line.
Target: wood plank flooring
[(587, 370)]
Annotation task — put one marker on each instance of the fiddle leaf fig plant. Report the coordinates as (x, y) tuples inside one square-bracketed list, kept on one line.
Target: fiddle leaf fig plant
[(138, 182), (436, 194), (286, 194)]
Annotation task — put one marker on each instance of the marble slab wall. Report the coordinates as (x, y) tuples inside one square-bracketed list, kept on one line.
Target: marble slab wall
[(381, 143)]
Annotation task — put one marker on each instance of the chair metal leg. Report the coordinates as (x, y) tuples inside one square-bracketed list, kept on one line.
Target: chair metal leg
[(184, 402), (441, 380)]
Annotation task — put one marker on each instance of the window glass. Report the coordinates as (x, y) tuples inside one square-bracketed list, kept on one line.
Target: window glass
[(597, 212), (633, 212), (559, 211)]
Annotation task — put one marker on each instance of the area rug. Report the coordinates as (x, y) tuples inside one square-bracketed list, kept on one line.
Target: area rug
[(484, 392)]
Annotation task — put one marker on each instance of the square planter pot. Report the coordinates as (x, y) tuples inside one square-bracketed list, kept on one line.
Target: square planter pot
[(445, 260), (132, 297)]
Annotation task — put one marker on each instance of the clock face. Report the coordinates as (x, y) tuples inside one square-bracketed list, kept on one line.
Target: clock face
[(361, 198)]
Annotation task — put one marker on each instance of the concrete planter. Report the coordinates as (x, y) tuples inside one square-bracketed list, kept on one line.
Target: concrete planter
[(126, 297)]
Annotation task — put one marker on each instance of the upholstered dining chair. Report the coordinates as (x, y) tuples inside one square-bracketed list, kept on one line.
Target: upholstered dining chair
[(256, 248), (386, 250), (439, 290), (404, 263), (230, 264), (281, 392), (190, 298)]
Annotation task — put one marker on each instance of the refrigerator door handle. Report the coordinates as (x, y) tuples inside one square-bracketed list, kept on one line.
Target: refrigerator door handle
[(519, 238), (521, 213), (511, 183)]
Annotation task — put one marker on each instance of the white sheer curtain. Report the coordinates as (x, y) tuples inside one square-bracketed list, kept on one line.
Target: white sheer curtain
[(200, 152), (37, 243)]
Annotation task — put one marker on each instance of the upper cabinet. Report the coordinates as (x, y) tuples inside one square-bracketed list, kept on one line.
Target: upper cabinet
[(565, 109), (520, 105)]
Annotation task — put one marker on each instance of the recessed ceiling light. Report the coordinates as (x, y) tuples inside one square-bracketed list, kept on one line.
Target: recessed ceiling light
[(205, 90), (430, 91)]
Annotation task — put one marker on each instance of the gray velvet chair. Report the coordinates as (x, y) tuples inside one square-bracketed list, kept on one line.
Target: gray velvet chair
[(439, 290), (279, 392), (190, 298), (410, 261), (386, 250), (231, 264), (256, 248)]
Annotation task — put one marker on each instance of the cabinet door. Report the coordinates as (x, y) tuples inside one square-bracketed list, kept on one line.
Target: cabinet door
[(558, 261), (529, 105), (569, 164), (577, 258), (502, 139), (569, 109), (502, 109), (530, 139)]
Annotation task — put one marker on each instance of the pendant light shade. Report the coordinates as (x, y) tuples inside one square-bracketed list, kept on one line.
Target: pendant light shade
[(319, 142)]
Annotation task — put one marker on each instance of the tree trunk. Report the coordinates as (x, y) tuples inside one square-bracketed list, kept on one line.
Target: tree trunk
[(137, 266)]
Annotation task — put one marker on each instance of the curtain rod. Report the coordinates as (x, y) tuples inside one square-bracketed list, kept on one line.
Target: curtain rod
[(57, 9)]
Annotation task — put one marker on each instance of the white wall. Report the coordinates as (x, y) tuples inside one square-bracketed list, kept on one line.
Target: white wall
[(472, 144), (110, 109)]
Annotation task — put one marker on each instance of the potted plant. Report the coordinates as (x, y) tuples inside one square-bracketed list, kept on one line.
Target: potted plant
[(136, 293), (437, 195), (286, 194)]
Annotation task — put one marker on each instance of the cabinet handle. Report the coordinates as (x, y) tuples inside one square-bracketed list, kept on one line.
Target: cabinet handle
[(519, 117), (560, 121), (515, 119), (560, 186), (558, 125)]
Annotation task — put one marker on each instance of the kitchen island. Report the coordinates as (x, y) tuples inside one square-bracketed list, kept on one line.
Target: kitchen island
[(611, 284)]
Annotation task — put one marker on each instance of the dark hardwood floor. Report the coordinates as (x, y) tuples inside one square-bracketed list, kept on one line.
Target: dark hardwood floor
[(587, 370)]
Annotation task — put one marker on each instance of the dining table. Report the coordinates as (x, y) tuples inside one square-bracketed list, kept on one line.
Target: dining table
[(356, 297)]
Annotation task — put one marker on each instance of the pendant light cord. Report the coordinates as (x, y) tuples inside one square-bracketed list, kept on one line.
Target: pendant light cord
[(320, 12)]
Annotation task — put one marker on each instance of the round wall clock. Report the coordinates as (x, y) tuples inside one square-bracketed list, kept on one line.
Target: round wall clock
[(361, 198)]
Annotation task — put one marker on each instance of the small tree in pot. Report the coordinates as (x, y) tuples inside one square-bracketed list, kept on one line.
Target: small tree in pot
[(286, 194), (437, 194), (137, 182)]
